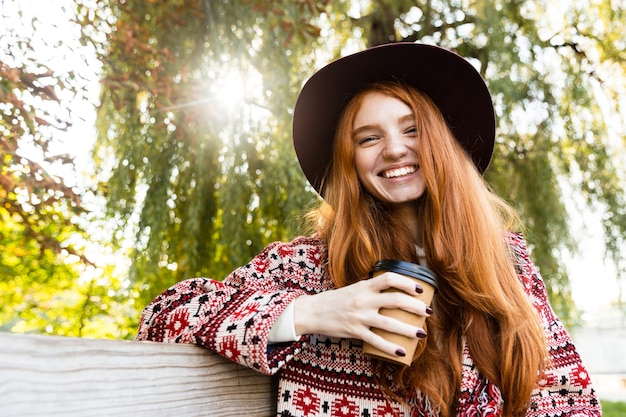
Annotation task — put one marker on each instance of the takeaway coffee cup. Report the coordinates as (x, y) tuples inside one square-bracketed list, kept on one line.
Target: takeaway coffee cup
[(428, 281)]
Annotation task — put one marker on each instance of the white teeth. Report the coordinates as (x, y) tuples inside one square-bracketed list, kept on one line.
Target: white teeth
[(398, 172)]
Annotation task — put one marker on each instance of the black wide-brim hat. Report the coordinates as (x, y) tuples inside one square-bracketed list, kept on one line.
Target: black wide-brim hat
[(450, 81)]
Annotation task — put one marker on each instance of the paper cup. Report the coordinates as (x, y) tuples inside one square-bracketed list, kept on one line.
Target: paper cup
[(428, 281)]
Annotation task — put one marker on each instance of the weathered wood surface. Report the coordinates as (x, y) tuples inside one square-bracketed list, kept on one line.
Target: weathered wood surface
[(57, 376)]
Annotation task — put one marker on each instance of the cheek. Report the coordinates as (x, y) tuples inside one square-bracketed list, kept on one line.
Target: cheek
[(366, 180), (361, 166)]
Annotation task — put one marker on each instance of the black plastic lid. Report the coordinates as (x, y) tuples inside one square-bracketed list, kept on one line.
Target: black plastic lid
[(407, 268)]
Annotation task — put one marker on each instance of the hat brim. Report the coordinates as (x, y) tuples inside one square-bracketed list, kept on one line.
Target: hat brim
[(450, 81)]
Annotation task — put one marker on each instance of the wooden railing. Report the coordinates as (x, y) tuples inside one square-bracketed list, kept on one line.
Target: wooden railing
[(58, 376)]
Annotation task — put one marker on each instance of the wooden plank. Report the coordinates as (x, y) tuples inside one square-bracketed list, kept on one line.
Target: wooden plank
[(58, 376)]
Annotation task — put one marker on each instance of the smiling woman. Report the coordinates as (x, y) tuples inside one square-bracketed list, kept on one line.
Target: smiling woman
[(398, 184)]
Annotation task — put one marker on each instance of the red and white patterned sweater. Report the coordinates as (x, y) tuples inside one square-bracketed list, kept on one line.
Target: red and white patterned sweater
[(324, 376)]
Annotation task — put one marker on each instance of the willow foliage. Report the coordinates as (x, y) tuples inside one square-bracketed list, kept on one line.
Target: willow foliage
[(205, 183), (205, 177)]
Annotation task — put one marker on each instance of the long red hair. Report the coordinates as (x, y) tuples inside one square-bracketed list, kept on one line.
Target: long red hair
[(462, 229)]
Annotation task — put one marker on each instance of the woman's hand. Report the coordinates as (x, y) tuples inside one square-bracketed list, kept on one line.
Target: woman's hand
[(351, 311)]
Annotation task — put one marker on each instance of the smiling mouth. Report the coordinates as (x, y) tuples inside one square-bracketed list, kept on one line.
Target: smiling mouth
[(399, 172)]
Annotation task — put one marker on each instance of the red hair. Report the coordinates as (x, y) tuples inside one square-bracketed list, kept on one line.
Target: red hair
[(463, 229)]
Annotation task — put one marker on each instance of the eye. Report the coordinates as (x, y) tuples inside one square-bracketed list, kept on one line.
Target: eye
[(411, 131), (367, 139)]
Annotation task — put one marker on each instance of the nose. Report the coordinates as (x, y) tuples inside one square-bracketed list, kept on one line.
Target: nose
[(395, 146)]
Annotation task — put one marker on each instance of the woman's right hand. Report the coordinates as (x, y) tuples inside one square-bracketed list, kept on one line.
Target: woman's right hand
[(351, 311)]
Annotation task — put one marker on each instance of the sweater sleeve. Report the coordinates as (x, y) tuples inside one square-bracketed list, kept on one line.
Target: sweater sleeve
[(234, 317), (564, 389)]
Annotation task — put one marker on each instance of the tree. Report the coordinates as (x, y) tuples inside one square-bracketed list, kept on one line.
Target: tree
[(43, 283), (204, 186), (548, 77), (211, 182), (35, 206)]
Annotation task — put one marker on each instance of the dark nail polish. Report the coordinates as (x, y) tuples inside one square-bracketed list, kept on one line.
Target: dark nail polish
[(400, 352), (429, 310), (418, 289), (420, 333)]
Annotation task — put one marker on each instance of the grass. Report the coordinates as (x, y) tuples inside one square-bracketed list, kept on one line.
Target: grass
[(613, 409)]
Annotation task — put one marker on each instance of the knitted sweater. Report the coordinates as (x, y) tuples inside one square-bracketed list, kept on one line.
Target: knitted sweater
[(325, 376)]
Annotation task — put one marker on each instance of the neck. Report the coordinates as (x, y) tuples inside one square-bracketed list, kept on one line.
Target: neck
[(407, 213)]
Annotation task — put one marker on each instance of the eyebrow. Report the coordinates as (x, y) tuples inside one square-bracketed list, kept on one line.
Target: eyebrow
[(403, 119)]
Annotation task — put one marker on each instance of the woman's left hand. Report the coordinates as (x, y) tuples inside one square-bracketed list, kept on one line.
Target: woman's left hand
[(352, 311)]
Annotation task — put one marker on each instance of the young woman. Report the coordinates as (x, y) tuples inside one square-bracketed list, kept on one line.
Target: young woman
[(394, 139)]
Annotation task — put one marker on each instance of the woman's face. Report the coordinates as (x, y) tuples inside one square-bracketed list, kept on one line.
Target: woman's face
[(386, 150)]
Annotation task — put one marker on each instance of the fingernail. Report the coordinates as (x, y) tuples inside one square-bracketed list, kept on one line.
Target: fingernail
[(400, 352), (418, 289), (420, 333), (429, 310)]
